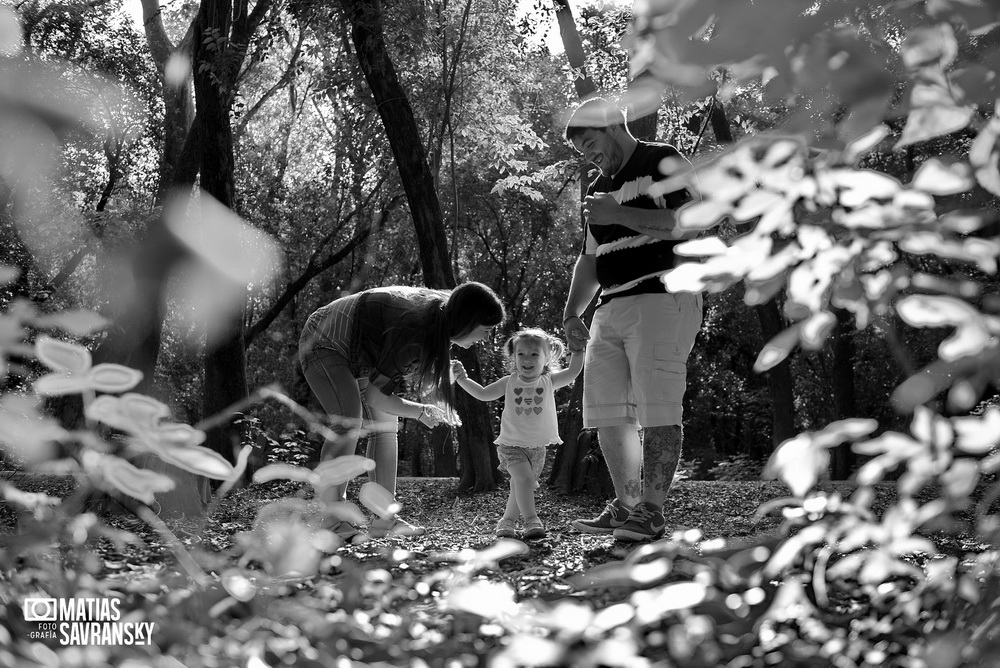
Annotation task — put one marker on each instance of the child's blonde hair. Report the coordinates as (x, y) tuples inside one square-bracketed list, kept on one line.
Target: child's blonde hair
[(540, 338)]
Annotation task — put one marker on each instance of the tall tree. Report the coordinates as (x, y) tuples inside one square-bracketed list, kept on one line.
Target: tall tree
[(779, 378), (367, 34), (176, 90), (223, 30), (569, 467)]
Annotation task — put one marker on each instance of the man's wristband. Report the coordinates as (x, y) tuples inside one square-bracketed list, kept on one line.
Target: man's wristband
[(570, 317)]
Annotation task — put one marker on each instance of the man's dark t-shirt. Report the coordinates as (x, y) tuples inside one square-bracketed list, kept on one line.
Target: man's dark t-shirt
[(630, 262)]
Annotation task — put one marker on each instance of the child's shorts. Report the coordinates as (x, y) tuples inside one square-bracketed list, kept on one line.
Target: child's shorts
[(513, 454)]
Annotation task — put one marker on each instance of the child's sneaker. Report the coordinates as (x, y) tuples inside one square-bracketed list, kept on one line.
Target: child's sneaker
[(645, 522), (613, 516), (394, 526), (505, 529), (349, 533), (533, 529)]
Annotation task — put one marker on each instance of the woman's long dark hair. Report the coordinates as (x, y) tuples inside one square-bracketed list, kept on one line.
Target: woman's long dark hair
[(447, 317)]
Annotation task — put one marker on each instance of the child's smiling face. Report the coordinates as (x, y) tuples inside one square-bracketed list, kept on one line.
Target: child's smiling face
[(530, 359)]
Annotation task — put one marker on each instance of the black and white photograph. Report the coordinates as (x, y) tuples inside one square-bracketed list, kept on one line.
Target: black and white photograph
[(499, 334)]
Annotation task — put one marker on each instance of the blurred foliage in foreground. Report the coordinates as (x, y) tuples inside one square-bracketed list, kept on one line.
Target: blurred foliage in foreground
[(839, 584)]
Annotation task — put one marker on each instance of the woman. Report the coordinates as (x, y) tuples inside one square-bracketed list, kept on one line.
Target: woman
[(357, 352)]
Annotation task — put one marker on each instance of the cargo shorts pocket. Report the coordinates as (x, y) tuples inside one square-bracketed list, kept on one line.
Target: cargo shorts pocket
[(668, 375)]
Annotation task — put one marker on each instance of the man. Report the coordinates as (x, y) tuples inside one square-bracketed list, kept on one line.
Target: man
[(641, 335)]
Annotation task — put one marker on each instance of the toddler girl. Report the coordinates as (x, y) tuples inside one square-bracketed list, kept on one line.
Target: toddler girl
[(528, 422)]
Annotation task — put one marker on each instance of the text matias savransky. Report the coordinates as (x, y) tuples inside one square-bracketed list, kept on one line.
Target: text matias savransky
[(84, 621)]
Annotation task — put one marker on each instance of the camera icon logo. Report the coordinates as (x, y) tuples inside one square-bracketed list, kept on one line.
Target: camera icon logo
[(40, 610)]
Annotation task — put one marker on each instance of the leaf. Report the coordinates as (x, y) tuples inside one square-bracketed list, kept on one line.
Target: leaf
[(798, 462), (177, 70), (341, 469), (108, 377), (197, 459), (788, 550), (59, 384), (971, 334), (378, 499), (934, 310), (757, 204), (241, 461), (345, 510), (860, 186), (134, 482), (238, 585), (490, 600), (107, 409), (894, 443), (978, 435), (984, 157), (850, 429), (960, 479), (777, 349), (283, 472), (527, 649), (222, 239), (933, 114), (80, 322), (142, 410), (933, 46), (620, 573), (708, 246), (702, 215), (858, 147), (761, 292), (687, 277), (937, 177), (62, 356), (174, 434), (816, 328), (653, 606), (28, 500)]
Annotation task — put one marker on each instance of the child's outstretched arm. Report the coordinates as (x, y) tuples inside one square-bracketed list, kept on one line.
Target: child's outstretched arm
[(567, 375), (492, 391)]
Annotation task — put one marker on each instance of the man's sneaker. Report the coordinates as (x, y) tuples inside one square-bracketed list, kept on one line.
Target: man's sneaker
[(534, 529), (506, 529), (614, 516), (644, 523)]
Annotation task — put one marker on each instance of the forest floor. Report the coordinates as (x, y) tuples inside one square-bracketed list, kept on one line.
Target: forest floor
[(456, 522)]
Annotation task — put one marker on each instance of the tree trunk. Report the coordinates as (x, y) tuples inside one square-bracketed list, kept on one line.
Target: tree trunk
[(225, 357), (779, 378), (844, 404), (573, 46), (178, 113), (404, 137), (416, 461), (476, 452), (641, 114), (568, 469), (720, 123), (445, 463), (477, 456)]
